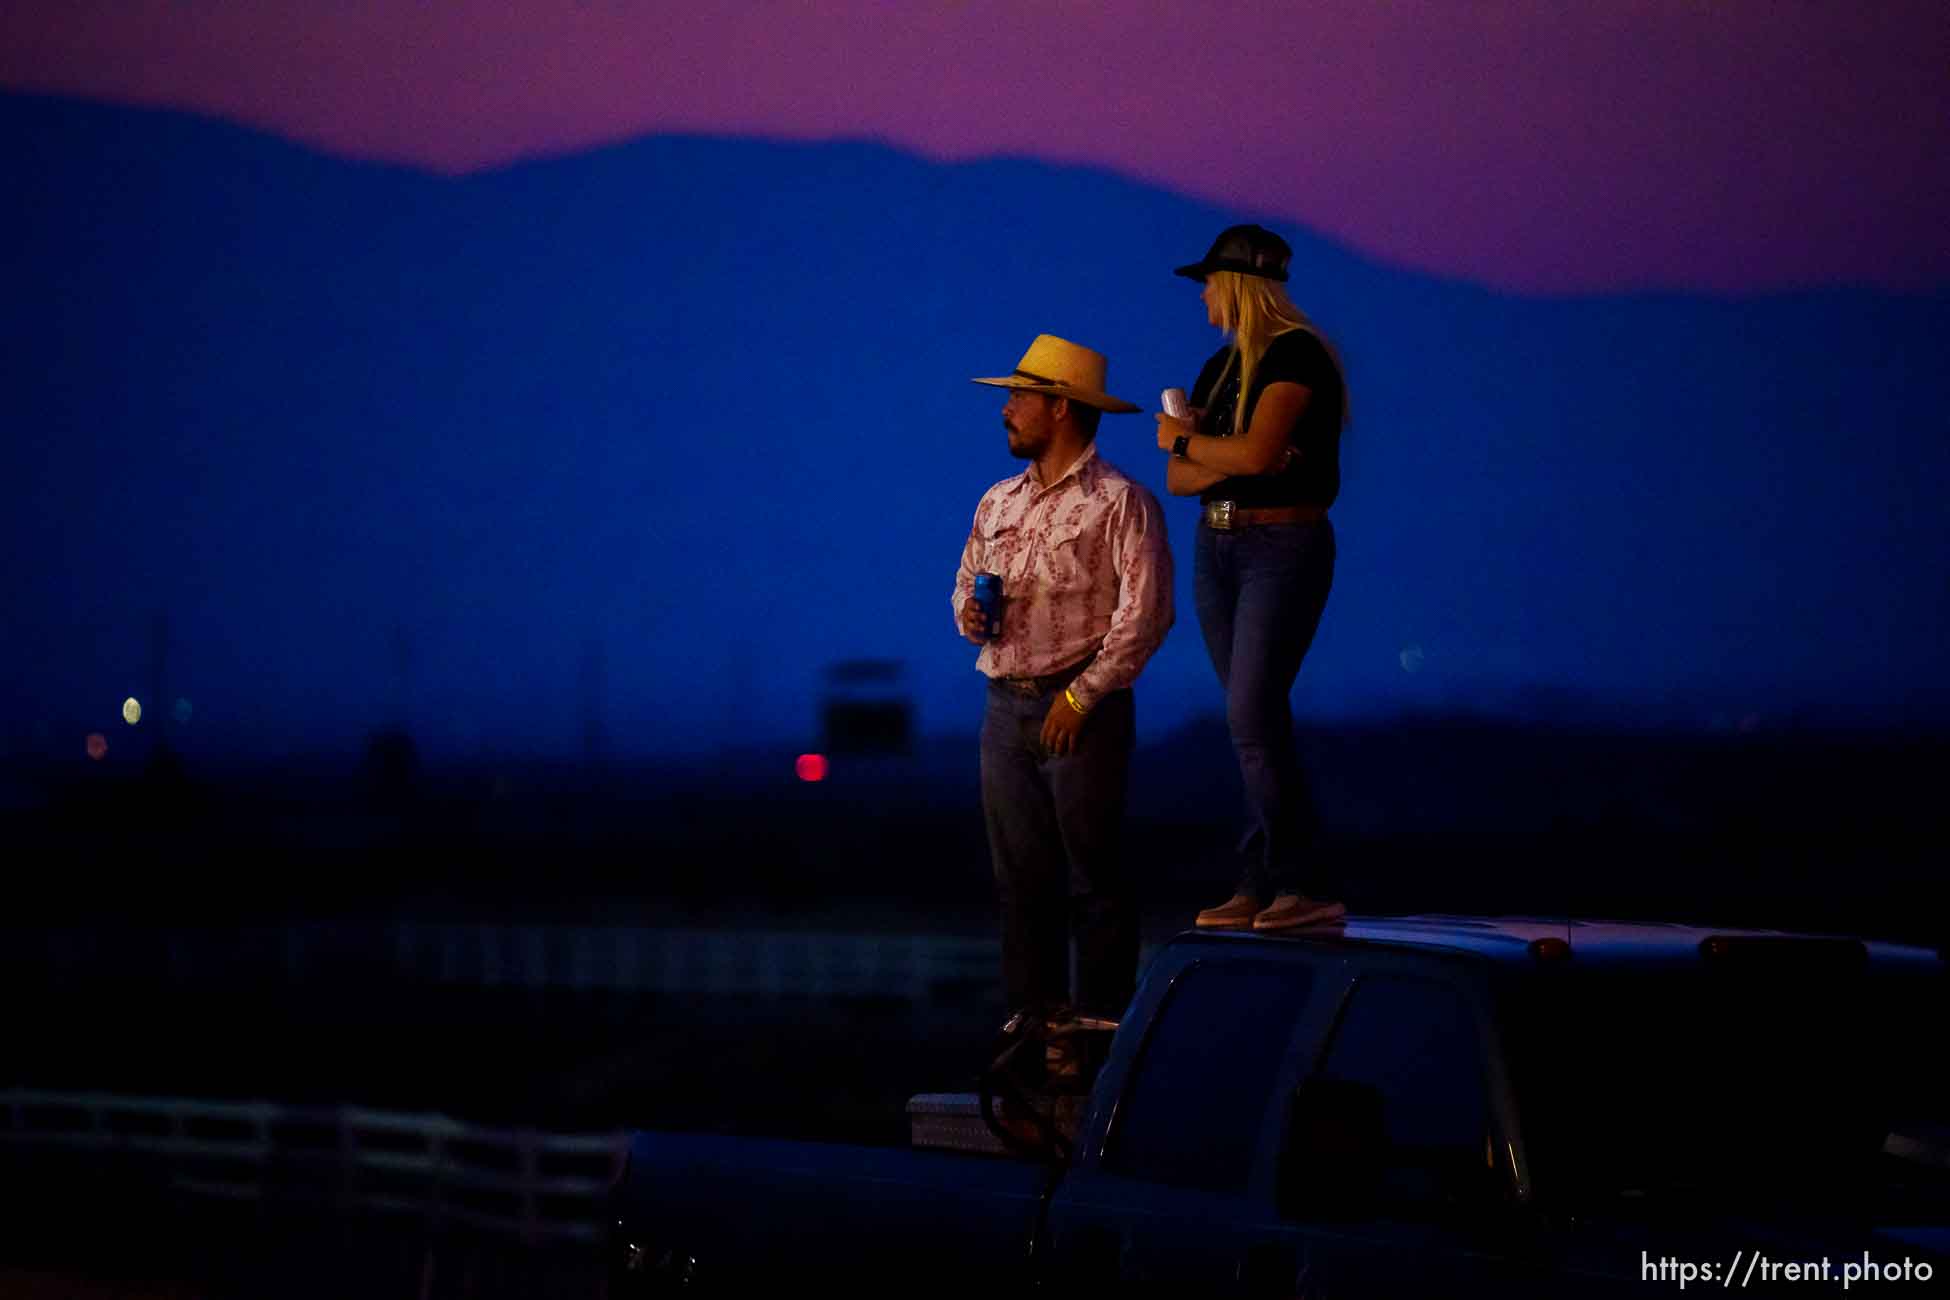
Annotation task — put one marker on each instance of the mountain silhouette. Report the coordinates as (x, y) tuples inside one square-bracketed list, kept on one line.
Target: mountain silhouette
[(704, 403)]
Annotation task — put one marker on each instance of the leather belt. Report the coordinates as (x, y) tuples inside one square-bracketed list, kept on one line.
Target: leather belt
[(1228, 515), (1047, 683)]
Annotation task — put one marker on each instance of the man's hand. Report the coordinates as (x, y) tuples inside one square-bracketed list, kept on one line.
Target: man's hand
[(1062, 726), (974, 624)]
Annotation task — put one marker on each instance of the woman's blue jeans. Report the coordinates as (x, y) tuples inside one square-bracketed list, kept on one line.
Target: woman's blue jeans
[(1259, 592)]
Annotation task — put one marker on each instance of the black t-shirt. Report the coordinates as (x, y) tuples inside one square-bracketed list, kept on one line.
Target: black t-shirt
[(1314, 476)]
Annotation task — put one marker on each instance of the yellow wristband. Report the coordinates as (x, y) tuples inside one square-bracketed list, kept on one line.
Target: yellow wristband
[(1071, 696)]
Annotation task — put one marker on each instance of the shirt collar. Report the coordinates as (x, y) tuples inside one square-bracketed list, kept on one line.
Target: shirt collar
[(1084, 462)]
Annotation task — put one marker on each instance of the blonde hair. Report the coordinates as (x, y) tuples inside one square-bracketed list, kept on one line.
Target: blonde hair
[(1253, 311)]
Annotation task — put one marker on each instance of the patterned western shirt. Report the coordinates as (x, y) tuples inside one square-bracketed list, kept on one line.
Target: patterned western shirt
[(1085, 567)]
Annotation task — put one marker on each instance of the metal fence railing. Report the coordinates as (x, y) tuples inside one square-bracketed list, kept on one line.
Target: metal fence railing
[(915, 967), (536, 1187), (749, 962)]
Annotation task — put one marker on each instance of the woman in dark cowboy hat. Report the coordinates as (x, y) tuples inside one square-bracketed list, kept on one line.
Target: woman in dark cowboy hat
[(1261, 450)]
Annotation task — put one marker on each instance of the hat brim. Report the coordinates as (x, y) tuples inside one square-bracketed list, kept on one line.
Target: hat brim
[(1199, 270), (1102, 401)]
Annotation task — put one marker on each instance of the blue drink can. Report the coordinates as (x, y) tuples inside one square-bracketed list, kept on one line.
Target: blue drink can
[(988, 595)]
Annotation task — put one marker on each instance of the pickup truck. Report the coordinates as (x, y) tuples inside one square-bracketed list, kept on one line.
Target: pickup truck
[(1388, 1106)]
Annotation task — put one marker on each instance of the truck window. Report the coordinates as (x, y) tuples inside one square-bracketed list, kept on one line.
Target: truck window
[(1779, 1084), (1397, 1116), (1197, 1099)]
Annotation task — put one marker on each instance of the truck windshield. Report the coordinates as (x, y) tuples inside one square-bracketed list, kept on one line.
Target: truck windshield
[(1771, 1083)]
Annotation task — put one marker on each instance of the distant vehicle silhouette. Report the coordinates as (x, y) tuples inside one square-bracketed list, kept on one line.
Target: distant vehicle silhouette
[(866, 708), (392, 769)]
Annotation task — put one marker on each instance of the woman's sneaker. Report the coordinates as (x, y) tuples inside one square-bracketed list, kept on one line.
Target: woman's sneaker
[(1288, 911), (1237, 910)]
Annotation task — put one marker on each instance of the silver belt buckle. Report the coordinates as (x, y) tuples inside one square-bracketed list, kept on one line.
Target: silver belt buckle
[(1218, 514)]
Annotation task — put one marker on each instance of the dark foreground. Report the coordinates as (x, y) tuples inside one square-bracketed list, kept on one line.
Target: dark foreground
[(580, 952)]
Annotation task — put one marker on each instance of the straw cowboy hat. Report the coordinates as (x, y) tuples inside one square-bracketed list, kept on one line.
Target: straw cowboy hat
[(1063, 369)]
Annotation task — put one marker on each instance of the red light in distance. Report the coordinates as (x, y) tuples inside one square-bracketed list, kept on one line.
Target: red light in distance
[(811, 767)]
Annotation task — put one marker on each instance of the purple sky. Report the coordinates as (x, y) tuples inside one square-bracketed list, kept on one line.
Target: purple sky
[(1533, 145)]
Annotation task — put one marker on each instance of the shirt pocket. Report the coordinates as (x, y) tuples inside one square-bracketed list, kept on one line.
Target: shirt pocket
[(1000, 542), (1062, 562)]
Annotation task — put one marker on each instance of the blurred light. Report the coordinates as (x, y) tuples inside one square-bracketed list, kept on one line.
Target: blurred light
[(182, 710), (97, 744), (131, 710), (811, 767), (1411, 658)]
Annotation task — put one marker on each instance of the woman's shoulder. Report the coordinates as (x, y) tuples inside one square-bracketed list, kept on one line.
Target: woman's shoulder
[(1299, 355), (1297, 342)]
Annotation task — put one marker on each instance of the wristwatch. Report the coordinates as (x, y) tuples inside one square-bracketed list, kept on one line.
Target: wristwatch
[(1179, 444)]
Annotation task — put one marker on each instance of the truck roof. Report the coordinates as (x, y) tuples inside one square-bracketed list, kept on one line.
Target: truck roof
[(1510, 939)]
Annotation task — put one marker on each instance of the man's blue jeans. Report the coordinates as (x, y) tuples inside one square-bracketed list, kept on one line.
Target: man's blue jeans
[(1259, 592), (1056, 832)]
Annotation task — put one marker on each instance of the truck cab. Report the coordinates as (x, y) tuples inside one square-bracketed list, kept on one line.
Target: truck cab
[(1380, 1107)]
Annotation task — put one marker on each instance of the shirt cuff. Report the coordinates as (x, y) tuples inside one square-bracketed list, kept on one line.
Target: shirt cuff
[(1086, 693)]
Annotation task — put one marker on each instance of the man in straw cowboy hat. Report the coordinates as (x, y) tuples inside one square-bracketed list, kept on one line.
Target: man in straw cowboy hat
[(1086, 581)]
